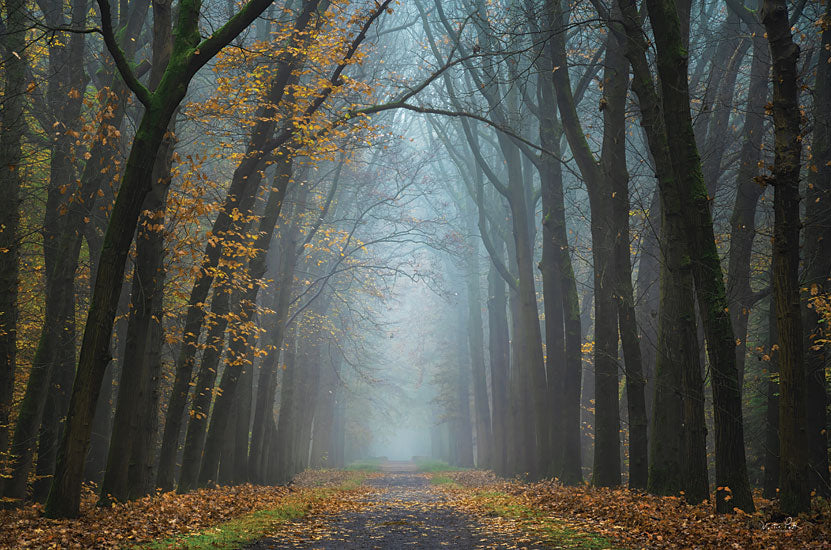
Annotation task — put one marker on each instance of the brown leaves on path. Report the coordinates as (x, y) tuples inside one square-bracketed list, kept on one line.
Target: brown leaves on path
[(638, 520), (155, 517)]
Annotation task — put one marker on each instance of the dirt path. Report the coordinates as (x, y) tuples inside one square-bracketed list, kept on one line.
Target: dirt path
[(402, 510)]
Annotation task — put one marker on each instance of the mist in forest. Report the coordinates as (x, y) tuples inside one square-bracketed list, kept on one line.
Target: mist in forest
[(578, 240)]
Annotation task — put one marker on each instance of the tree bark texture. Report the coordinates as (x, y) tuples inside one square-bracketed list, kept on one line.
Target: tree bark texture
[(794, 495), (733, 487), (817, 265)]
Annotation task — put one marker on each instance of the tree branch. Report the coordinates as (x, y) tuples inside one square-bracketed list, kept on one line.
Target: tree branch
[(121, 62)]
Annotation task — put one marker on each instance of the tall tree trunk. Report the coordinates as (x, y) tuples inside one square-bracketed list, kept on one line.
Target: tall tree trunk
[(476, 344), (227, 455), (65, 97), (628, 328), (244, 312), (607, 284), (572, 473), (53, 364), (189, 54), (499, 363), (283, 441), (325, 416), (242, 428), (648, 296), (339, 429), (771, 482), (551, 191), (308, 387), (719, 131), (731, 464), (13, 125), (794, 495), (135, 420), (520, 434), (205, 381), (266, 387), (240, 199), (677, 451), (817, 262), (463, 429), (96, 462), (613, 164), (743, 220)]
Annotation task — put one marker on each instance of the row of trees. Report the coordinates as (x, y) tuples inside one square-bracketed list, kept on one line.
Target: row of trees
[(606, 161), (695, 119), (282, 147)]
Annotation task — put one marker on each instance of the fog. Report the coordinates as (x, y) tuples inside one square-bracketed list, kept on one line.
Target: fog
[(534, 237)]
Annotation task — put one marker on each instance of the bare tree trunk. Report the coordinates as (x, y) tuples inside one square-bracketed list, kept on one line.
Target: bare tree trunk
[(13, 124), (731, 465), (476, 343), (499, 364), (462, 426), (283, 443), (562, 311), (677, 451), (794, 495), (606, 181), (771, 481), (322, 442), (817, 262), (743, 220)]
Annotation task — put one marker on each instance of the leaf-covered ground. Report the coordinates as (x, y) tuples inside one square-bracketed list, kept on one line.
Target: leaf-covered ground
[(635, 520), (443, 509), (167, 517), (401, 510)]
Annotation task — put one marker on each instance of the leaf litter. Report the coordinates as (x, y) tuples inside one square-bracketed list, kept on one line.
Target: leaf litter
[(637, 520)]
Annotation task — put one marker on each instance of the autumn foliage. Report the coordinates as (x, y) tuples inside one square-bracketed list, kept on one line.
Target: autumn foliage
[(639, 520), (156, 517)]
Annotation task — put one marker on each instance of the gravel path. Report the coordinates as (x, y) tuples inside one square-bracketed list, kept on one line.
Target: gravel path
[(402, 511)]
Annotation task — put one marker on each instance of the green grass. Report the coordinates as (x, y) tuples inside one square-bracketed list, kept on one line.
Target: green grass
[(550, 530), (443, 480), (236, 532), (428, 465), (253, 526)]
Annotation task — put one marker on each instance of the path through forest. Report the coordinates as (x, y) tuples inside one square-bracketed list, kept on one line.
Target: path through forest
[(402, 510)]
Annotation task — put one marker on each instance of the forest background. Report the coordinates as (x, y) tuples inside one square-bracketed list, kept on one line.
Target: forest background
[(621, 213)]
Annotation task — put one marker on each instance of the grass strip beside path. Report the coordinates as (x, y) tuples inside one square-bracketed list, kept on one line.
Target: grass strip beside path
[(547, 529), (476, 493), (255, 525)]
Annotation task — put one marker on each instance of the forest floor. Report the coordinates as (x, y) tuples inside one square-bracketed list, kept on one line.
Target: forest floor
[(398, 507)]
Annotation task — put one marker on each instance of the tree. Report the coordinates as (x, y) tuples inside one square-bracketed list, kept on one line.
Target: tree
[(235, 209), (607, 180), (794, 496), (13, 126), (677, 448), (817, 264), (189, 53), (731, 466), (130, 457)]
